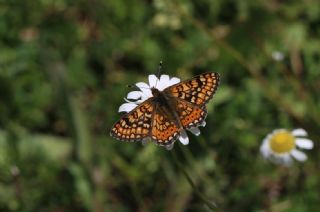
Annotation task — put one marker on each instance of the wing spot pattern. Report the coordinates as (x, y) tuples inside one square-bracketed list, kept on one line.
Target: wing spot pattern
[(198, 90), (134, 125), (164, 130), (190, 116)]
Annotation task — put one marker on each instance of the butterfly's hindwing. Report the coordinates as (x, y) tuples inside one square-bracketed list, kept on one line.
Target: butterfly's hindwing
[(164, 130), (198, 90), (190, 115)]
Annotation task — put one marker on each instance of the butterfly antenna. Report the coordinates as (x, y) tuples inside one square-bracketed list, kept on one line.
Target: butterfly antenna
[(131, 86), (159, 70)]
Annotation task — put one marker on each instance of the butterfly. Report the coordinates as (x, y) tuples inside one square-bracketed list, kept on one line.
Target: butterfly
[(167, 113)]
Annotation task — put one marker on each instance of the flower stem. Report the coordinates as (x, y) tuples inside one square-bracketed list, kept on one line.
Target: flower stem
[(200, 195)]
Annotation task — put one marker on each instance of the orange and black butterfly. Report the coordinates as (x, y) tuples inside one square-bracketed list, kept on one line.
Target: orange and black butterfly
[(167, 113)]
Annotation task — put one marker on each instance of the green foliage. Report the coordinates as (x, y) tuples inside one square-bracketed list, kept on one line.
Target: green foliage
[(64, 67)]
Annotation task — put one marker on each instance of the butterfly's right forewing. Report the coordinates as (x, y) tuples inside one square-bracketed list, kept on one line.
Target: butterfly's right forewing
[(198, 90)]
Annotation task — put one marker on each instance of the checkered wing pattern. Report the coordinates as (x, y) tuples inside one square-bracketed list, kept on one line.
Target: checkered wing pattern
[(198, 90), (135, 125), (190, 115), (164, 129)]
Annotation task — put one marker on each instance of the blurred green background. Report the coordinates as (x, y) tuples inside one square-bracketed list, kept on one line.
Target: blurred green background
[(64, 67)]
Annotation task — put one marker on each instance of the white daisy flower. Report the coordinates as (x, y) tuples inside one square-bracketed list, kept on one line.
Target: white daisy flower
[(134, 98), (281, 145)]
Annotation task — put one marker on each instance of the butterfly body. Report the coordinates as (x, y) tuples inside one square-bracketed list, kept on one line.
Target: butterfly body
[(166, 105), (167, 113)]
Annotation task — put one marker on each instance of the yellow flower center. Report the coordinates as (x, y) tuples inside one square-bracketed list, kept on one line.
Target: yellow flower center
[(282, 141)]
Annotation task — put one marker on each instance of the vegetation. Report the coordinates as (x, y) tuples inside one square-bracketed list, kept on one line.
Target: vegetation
[(64, 67)]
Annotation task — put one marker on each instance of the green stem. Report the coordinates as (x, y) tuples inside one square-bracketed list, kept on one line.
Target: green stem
[(200, 195)]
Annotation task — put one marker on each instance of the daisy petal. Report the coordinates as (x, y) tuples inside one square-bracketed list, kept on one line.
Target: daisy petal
[(286, 160), (152, 80), (127, 107), (184, 137), (134, 95), (164, 78), (300, 156), (144, 87), (304, 143), (164, 82), (170, 146), (174, 80), (195, 131), (126, 100), (264, 149), (299, 132)]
